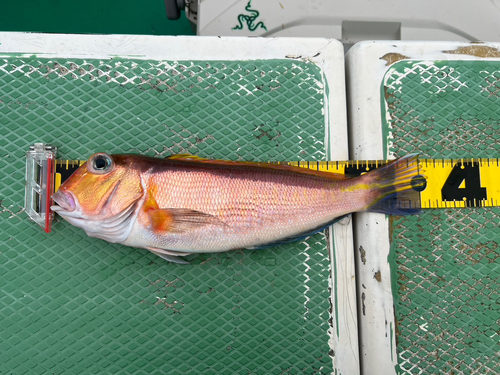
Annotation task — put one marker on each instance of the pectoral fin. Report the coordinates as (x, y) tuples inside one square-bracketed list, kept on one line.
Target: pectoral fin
[(168, 255), (178, 220)]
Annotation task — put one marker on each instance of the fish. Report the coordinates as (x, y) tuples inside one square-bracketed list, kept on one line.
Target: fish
[(183, 204)]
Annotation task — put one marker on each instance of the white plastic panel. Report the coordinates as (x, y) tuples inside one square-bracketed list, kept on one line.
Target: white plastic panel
[(326, 54), (366, 65)]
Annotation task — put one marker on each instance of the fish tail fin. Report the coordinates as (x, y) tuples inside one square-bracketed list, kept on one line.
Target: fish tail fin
[(393, 187)]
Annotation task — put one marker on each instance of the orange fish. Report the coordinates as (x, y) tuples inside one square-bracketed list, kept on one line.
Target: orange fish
[(184, 204)]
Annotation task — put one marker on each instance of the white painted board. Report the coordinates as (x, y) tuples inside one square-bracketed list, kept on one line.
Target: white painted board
[(327, 54), (366, 65)]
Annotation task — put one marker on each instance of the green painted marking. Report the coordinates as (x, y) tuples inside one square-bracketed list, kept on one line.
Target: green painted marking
[(249, 19), (445, 263), (74, 304)]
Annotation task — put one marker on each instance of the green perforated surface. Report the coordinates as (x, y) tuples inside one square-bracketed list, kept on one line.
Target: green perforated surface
[(446, 265), (73, 304)]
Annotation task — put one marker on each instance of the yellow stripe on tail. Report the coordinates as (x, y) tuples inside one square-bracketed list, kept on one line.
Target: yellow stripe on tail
[(396, 187)]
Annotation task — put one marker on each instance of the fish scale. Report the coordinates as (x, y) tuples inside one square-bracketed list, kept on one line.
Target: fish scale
[(223, 193)]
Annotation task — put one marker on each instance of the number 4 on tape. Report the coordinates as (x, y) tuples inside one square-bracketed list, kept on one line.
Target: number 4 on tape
[(464, 183), (460, 183)]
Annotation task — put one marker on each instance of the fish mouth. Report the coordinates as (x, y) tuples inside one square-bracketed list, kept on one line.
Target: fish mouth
[(68, 205), (65, 202)]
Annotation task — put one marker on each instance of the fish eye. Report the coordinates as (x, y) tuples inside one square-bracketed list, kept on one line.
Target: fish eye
[(100, 163)]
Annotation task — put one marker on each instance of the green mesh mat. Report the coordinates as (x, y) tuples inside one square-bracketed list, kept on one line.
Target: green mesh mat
[(446, 267), (73, 304)]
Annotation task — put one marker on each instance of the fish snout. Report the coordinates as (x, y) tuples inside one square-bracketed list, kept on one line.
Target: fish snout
[(64, 201)]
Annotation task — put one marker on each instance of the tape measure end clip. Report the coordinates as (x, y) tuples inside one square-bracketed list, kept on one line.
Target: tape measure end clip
[(40, 170)]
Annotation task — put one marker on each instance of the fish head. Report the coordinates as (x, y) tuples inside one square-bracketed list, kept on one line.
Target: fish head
[(103, 192)]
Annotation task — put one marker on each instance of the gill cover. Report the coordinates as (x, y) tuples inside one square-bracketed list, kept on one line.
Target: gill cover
[(104, 186)]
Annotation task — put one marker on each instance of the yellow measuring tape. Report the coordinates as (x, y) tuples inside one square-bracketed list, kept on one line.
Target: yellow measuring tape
[(450, 183)]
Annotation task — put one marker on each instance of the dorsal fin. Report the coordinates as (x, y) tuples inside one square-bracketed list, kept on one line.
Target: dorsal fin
[(280, 167), (187, 157)]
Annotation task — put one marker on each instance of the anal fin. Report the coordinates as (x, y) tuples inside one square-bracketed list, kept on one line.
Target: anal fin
[(298, 236)]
